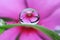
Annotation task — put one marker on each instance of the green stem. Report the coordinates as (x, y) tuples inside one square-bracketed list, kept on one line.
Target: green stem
[(48, 32)]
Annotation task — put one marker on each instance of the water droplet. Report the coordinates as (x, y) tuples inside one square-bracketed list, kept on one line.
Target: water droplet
[(29, 16), (2, 22), (57, 29)]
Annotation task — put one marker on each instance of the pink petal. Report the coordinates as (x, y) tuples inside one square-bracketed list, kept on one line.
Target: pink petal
[(29, 36), (45, 7), (11, 22), (33, 19), (10, 34), (46, 37), (11, 8), (53, 21), (25, 20)]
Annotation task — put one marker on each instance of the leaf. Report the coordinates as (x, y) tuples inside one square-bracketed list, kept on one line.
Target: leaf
[(6, 19), (2, 30), (48, 32)]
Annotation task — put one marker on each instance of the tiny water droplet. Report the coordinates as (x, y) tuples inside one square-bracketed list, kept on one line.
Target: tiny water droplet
[(57, 29), (2, 22), (29, 16)]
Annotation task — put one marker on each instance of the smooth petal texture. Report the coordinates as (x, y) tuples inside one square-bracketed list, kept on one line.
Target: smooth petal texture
[(44, 35), (46, 9), (11, 8), (10, 34), (29, 36), (53, 21)]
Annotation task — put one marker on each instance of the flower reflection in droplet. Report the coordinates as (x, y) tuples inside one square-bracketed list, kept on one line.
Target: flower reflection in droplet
[(29, 16)]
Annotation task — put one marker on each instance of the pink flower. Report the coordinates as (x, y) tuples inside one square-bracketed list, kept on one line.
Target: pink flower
[(49, 11)]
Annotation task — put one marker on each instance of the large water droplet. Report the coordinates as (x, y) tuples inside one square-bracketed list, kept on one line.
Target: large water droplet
[(29, 16)]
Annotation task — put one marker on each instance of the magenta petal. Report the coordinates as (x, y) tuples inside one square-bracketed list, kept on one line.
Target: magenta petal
[(25, 20), (10, 34), (29, 36), (46, 37), (33, 19), (11, 8), (53, 21), (45, 7)]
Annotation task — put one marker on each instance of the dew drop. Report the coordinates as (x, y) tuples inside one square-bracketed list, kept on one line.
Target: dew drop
[(2, 22), (29, 16), (57, 29)]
